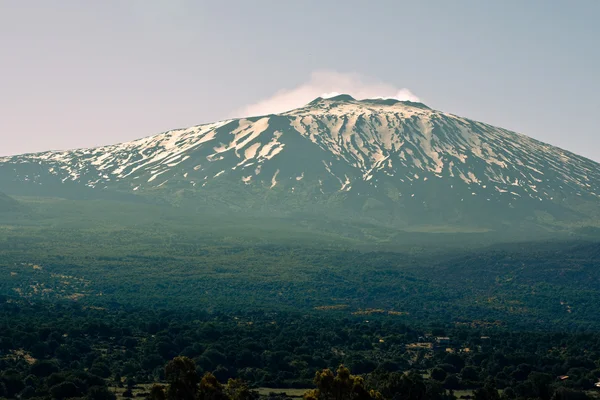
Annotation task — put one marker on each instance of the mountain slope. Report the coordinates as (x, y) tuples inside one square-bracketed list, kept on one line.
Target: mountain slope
[(399, 163), (7, 203)]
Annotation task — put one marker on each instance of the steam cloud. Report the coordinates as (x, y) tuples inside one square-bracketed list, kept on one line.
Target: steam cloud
[(326, 84)]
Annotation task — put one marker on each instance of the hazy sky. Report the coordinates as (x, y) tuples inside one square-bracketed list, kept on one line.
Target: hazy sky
[(83, 73)]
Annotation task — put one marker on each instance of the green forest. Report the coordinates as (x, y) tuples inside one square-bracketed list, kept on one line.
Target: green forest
[(133, 302), (64, 350)]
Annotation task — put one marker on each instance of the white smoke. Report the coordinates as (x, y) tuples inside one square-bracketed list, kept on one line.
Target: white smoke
[(326, 84)]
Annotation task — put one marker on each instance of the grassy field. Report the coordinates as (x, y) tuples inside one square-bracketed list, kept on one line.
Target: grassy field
[(463, 394), (139, 390), (265, 392)]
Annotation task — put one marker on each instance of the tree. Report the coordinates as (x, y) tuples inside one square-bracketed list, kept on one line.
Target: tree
[(237, 389), (455, 360), (211, 388), (118, 380), (100, 393), (569, 394), (540, 384), (157, 392), (44, 368), (438, 374), (487, 392), (183, 379), (100, 369), (12, 383), (341, 386), (469, 373), (406, 386), (452, 382), (65, 390), (28, 392)]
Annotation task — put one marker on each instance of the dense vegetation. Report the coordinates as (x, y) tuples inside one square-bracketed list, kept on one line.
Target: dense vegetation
[(64, 350), (96, 300), (544, 284)]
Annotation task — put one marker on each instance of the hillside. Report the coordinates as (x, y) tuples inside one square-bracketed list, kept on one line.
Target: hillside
[(8, 203), (274, 268), (398, 164)]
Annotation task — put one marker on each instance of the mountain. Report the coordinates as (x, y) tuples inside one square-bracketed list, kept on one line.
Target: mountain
[(395, 163)]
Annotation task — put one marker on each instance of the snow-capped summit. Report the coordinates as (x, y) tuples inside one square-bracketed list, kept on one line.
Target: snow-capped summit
[(400, 162), (345, 98)]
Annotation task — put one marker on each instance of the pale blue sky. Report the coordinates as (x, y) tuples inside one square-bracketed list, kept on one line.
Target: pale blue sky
[(82, 73)]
